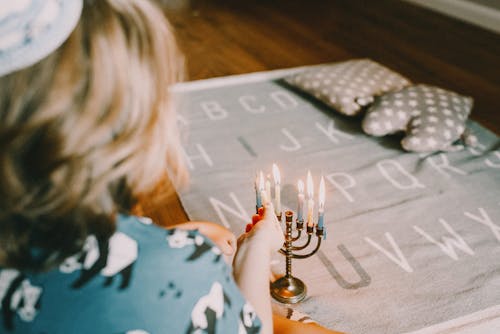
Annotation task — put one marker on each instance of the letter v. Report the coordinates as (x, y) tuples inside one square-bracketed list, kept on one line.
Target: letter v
[(399, 259)]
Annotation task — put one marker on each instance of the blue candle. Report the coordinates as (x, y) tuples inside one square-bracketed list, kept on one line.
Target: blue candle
[(321, 205), (257, 192), (321, 219), (310, 200), (300, 209)]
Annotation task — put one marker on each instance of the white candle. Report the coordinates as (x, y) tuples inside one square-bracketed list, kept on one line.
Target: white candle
[(261, 189), (300, 209), (263, 194), (310, 200), (277, 190), (268, 191), (321, 204)]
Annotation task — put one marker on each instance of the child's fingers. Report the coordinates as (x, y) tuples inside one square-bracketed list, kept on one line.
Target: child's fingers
[(255, 219), (262, 214), (268, 207), (260, 211)]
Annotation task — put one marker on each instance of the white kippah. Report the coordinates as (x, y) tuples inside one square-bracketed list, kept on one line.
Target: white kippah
[(31, 29)]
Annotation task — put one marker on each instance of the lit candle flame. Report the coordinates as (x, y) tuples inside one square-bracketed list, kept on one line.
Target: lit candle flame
[(300, 186), (310, 185), (276, 174), (322, 194)]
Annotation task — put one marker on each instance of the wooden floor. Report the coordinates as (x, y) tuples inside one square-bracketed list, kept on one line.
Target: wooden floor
[(222, 38)]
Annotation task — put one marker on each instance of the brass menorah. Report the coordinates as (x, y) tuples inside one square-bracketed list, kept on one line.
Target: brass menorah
[(289, 289)]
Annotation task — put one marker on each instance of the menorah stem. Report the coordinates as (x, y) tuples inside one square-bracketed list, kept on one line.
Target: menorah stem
[(288, 247), (288, 289), (288, 265)]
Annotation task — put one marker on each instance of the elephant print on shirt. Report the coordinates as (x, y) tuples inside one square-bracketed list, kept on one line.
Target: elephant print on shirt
[(18, 295), (109, 259)]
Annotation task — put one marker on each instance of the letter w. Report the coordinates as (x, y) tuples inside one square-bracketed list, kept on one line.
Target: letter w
[(448, 244)]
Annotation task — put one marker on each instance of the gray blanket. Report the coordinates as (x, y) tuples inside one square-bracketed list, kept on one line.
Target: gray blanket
[(412, 240)]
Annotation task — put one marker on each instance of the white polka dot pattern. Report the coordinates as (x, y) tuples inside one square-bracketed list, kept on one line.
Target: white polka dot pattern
[(433, 118), (348, 86)]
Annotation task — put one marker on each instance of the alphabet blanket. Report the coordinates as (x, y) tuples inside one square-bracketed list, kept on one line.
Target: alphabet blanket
[(413, 241)]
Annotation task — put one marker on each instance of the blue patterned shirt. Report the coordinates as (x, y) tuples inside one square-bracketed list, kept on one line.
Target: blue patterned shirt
[(143, 280)]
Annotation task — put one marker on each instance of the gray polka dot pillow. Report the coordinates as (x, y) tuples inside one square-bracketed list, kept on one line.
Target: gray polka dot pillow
[(433, 118), (348, 86)]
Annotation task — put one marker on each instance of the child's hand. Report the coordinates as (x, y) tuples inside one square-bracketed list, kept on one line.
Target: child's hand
[(252, 263), (265, 228)]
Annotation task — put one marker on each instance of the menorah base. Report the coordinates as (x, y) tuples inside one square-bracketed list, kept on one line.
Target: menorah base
[(289, 290)]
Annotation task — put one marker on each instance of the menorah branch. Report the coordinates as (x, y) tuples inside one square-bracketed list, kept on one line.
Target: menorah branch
[(305, 256), (304, 245)]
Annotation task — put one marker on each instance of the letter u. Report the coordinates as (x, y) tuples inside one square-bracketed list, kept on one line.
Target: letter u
[(364, 277)]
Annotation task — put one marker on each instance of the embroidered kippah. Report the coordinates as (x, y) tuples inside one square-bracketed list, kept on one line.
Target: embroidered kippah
[(31, 29)]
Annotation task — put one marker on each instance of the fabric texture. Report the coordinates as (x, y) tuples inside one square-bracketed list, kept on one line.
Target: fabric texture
[(348, 86), (32, 29), (144, 280), (413, 238), (433, 118)]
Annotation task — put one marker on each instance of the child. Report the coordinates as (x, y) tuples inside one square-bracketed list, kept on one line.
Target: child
[(86, 124)]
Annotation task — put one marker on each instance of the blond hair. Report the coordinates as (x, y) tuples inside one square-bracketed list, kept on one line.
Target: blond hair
[(81, 126)]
